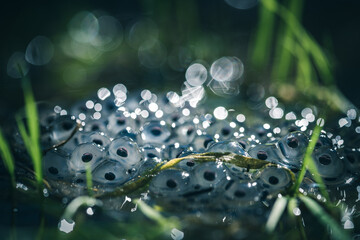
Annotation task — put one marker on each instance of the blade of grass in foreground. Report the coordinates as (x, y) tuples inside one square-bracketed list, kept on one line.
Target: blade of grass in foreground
[(325, 218), (165, 223), (89, 183), (307, 158), (31, 137), (276, 213), (7, 158)]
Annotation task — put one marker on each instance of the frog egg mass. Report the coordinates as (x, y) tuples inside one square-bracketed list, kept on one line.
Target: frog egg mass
[(120, 140)]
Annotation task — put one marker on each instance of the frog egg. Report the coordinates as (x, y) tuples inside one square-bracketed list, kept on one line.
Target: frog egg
[(81, 137), (227, 146), (242, 193), (98, 138), (221, 130), (245, 143), (293, 147), (151, 156), (95, 126), (324, 140), (86, 153), (208, 175), (111, 172), (151, 152), (269, 152), (275, 179), (236, 172), (187, 165), (47, 117), (329, 165), (118, 122), (185, 133), (62, 128), (126, 151), (175, 150), (201, 143), (352, 161), (259, 132), (55, 167), (155, 132), (170, 183)]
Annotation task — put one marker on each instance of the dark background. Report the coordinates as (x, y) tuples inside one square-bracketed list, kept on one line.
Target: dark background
[(334, 23)]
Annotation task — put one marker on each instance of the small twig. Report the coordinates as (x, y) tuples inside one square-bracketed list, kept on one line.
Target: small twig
[(78, 126)]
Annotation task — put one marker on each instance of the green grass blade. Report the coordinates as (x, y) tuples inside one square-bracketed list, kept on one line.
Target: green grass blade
[(74, 205), (276, 213), (303, 37), (89, 182), (31, 137), (165, 223), (263, 37), (283, 55), (7, 157), (315, 173), (325, 218), (307, 158)]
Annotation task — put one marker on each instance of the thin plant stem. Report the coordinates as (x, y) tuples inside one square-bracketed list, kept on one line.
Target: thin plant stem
[(309, 150)]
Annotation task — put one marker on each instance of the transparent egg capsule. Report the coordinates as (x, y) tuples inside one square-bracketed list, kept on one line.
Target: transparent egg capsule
[(111, 172), (293, 147), (185, 133), (175, 150), (81, 108), (202, 142), (86, 153), (241, 193), (55, 166), (259, 132), (209, 175), (170, 183), (188, 164), (227, 146), (118, 122), (237, 172), (352, 161), (95, 126), (155, 132), (245, 143), (269, 152), (330, 167), (151, 156), (99, 138), (125, 151), (47, 117), (151, 152), (62, 128), (222, 130), (275, 179), (324, 140)]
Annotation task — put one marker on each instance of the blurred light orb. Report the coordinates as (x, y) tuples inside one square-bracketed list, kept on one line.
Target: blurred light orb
[(242, 4), (84, 27), (103, 93), (227, 69), (144, 30), (224, 89), (110, 33), (276, 113), (220, 113), (271, 102), (17, 67), (196, 74), (39, 51)]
